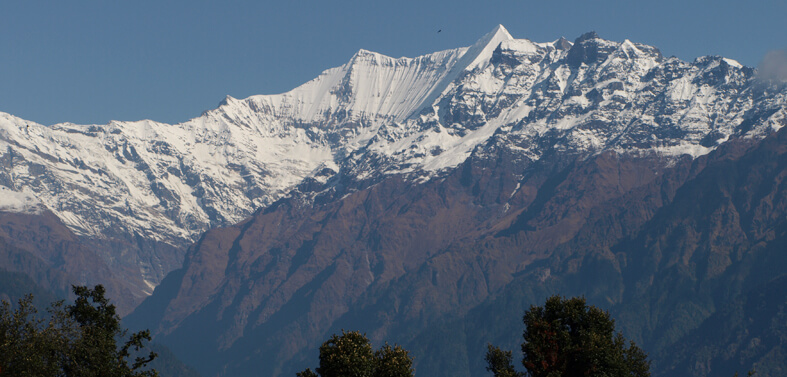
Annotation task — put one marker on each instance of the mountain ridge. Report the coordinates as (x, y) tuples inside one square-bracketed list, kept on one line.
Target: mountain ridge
[(372, 117)]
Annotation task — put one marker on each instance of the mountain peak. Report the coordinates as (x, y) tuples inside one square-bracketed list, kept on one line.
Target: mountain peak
[(589, 48), (501, 30), (481, 51), (476, 55), (226, 100), (587, 36), (364, 52), (562, 44), (497, 35)]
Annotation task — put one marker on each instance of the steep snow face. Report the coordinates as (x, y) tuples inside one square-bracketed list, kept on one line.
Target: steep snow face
[(378, 115), (370, 87)]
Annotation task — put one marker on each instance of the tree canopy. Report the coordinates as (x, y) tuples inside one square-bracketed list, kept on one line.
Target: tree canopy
[(567, 337), (73, 340), (351, 355)]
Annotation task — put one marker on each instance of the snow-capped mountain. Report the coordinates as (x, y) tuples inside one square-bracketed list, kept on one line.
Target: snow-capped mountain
[(376, 116)]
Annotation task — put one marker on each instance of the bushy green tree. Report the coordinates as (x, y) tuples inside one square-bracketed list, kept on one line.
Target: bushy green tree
[(351, 355), (393, 362), (566, 337), (73, 340), (30, 346), (500, 363)]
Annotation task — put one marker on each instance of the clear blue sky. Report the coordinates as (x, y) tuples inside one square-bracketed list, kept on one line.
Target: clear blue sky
[(169, 60)]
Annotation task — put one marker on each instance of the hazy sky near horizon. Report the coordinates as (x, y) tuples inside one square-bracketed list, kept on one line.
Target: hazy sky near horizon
[(169, 60)]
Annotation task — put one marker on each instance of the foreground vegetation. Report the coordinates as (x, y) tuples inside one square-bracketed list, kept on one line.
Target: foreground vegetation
[(565, 337), (350, 354), (76, 340)]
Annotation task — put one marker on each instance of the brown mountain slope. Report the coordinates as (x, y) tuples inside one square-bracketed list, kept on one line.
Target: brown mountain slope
[(717, 237), (448, 265), (40, 246)]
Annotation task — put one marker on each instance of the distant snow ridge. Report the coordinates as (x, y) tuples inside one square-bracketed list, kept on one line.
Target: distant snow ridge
[(378, 115)]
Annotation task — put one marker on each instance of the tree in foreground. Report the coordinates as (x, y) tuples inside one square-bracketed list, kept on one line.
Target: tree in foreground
[(566, 337), (351, 355), (74, 341), (499, 363)]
